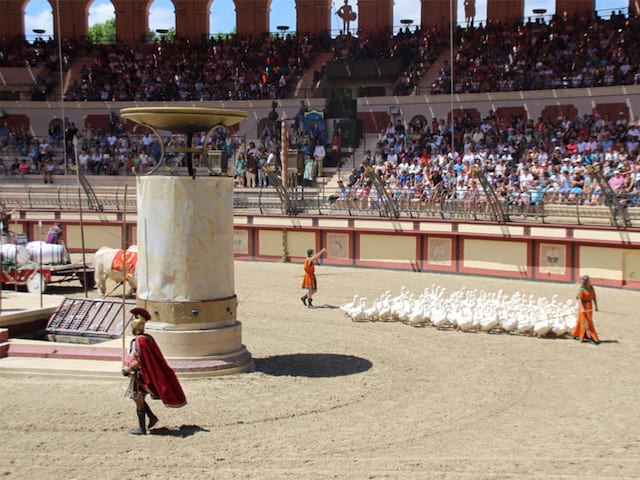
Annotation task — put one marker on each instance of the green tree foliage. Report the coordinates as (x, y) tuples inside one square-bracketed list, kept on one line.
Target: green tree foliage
[(103, 32)]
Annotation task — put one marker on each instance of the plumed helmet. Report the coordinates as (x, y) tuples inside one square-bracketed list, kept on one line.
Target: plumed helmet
[(141, 312), (137, 325), (140, 317)]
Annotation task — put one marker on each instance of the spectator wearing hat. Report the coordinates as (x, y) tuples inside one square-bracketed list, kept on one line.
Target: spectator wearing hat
[(616, 182)]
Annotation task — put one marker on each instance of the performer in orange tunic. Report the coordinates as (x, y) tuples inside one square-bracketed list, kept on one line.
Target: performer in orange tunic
[(585, 329), (309, 281)]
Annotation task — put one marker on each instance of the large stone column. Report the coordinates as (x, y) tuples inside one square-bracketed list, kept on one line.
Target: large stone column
[(192, 18), (581, 8), (375, 15), (132, 21), (185, 272), (437, 13), (12, 20), (74, 20), (313, 16), (252, 17), (507, 12)]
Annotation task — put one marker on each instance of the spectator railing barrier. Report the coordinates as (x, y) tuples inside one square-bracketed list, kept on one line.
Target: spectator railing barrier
[(288, 199), (495, 205), (617, 204), (441, 203), (94, 202), (387, 205)]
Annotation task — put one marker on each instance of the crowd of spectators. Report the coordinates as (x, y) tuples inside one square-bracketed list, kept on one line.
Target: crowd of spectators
[(43, 56), (230, 68), (112, 150), (565, 53), (417, 50), (527, 163)]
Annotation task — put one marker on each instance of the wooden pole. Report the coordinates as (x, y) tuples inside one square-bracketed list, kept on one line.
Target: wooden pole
[(124, 274), (84, 259)]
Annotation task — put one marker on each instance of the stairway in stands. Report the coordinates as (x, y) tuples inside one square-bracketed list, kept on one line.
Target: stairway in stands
[(305, 86), (332, 174), (424, 86), (73, 74)]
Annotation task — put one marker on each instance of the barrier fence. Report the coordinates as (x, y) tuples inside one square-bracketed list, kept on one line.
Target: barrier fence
[(551, 207)]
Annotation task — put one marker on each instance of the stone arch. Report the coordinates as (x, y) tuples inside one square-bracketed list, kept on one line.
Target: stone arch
[(222, 6), (277, 15), (606, 8), (37, 20), (612, 110), (100, 11), (550, 113), (160, 17), (337, 24), (529, 14), (459, 113), (402, 12), (55, 124), (17, 120), (510, 112), (418, 121)]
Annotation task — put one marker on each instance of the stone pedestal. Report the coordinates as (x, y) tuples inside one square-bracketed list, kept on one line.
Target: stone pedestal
[(186, 275)]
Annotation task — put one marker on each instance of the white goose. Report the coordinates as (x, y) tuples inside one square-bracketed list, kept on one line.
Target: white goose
[(357, 313), (416, 316), (347, 307), (542, 327), (488, 318), (371, 313), (559, 327), (439, 315), (384, 309), (465, 319)]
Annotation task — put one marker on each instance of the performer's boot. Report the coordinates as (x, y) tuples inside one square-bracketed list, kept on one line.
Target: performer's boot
[(309, 303), (152, 418), (304, 299), (141, 430)]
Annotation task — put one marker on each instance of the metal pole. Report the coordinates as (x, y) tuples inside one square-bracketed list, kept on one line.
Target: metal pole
[(1, 260), (284, 134), (124, 272), (451, 25), (84, 260), (64, 130), (40, 232)]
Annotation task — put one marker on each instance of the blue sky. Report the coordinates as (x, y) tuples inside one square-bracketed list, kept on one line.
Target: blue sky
[(222, 20)]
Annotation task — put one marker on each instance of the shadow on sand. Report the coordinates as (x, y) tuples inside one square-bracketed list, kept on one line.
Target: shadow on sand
[(183, 431), (312, 365)]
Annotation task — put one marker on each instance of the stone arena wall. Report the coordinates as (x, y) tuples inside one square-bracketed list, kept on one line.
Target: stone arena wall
[(548, 253)]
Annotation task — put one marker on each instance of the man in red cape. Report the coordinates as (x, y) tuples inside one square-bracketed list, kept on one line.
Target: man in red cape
[(150, 374)]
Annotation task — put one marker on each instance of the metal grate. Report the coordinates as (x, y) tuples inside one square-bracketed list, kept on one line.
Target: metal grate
[(88, 317)]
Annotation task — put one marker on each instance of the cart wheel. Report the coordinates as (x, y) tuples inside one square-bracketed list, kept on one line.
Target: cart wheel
[(36, 283), (91, 280)]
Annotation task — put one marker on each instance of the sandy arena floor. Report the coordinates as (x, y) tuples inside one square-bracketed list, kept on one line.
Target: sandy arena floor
[(331, 398)]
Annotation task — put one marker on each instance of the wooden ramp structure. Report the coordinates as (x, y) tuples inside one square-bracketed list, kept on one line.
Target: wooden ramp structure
[(88, 320)]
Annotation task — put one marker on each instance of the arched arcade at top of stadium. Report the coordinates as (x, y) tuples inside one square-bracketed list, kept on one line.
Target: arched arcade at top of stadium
[(252, 16)]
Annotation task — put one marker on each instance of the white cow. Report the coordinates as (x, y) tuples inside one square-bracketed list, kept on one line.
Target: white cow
[(105, 268)]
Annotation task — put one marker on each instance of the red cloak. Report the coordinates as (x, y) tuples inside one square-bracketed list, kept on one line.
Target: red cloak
[(157, 375)]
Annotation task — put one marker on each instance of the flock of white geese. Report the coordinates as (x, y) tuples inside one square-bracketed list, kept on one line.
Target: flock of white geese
[(469, 310)]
